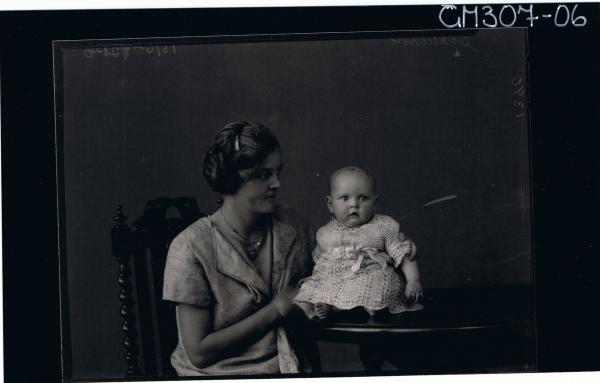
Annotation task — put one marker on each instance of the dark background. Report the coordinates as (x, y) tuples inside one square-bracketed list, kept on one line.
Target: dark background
[(564, 115), (428, 120)]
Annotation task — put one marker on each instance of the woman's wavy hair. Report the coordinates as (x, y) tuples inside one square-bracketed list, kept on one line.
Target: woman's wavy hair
[(240, 147)]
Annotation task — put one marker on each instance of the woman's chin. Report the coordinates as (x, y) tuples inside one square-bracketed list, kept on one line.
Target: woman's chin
[(267, 207)]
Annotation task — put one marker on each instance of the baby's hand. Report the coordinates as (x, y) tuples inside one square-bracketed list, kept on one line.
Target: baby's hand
[(322, 309), (414, 291)]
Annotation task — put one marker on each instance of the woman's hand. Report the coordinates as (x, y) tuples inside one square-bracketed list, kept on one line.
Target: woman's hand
[(204, 346), (283, 300), (414, 291)]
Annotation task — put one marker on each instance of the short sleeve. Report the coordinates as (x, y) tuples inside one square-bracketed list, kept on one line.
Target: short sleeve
[(319, 249), (185, 280), (395, 248), (316, 253)]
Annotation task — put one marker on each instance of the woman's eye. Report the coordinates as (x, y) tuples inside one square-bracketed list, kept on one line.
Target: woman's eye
[(263, 176)]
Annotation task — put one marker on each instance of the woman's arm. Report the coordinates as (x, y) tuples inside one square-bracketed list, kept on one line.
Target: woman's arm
[(204, 347)]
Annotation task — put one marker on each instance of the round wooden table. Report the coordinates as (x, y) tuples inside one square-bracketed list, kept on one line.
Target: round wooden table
[(459, 330)]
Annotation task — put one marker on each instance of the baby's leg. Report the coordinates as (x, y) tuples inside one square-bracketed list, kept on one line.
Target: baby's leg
[(322, 309)]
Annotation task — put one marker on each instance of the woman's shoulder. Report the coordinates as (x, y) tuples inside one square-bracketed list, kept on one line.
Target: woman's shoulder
[(197, 236)]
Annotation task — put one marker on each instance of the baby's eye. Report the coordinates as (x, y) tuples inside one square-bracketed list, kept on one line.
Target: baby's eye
[(363, 198), (344, 198)]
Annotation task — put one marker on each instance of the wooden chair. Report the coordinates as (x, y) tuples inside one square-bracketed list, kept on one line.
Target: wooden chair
[(142, 248)]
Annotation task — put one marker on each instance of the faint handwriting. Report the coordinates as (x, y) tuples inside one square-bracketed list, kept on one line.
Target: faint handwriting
[(123, 52), (519, 97), (462, 41)]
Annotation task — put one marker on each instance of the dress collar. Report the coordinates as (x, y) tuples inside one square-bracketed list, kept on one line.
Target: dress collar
[(231, 263)]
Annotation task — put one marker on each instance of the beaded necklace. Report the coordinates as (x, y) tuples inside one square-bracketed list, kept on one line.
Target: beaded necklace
[(252, 247)]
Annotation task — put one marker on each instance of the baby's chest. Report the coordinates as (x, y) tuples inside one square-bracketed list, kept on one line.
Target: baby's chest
[(356, 238)]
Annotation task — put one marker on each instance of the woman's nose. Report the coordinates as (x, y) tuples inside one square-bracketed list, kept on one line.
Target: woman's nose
[(275, 183)]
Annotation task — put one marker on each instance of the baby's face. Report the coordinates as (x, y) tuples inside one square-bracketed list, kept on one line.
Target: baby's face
[(352, 199)]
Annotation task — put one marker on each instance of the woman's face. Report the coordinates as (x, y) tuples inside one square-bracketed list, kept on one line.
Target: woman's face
[(258, 194)]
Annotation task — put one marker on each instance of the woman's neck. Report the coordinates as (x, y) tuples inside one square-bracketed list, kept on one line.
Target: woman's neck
[(241, 219)]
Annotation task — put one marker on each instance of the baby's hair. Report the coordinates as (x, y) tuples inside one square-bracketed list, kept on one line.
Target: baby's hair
[(352, 170), (239, 147)]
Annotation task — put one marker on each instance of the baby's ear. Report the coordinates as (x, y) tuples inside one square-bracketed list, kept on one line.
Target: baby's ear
[(329, 207)]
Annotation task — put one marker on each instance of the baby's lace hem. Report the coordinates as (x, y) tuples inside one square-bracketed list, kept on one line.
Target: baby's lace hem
[(309, 309)]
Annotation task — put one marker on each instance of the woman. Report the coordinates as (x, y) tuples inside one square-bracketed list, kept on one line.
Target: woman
[(233, 275)]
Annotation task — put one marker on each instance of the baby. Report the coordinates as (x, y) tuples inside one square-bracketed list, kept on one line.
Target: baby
[(355, 253)]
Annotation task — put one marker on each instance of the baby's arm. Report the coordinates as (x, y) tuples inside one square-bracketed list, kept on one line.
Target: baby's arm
[(317, 241), (396, 243), (414, 290), (413, 247)]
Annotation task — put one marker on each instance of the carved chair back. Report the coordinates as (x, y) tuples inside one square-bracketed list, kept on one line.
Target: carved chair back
[(149, 324)]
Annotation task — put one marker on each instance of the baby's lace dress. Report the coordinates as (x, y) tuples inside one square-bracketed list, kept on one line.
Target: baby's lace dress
[(352, 268)]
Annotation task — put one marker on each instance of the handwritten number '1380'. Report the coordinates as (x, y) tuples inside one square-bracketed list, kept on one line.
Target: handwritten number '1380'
[(519, 102)]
